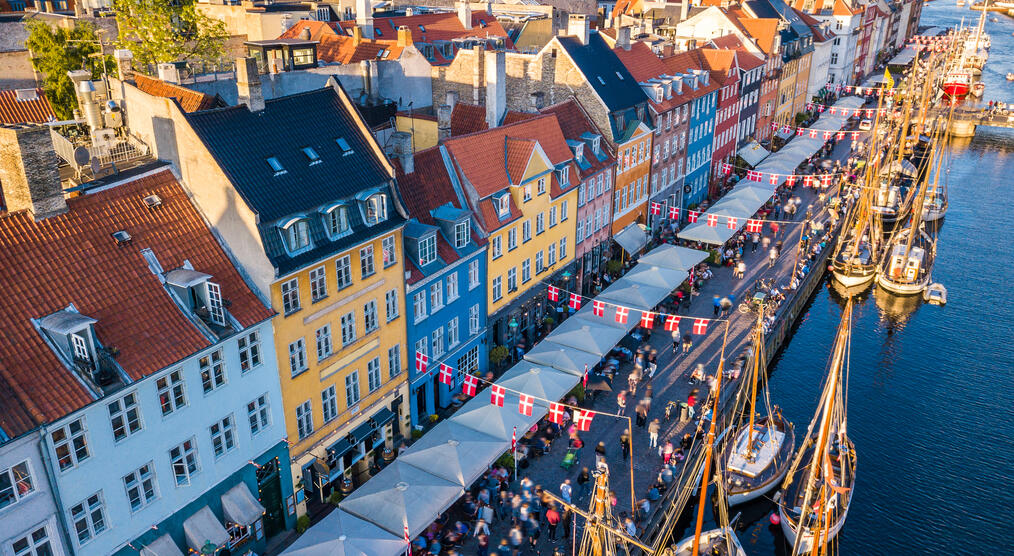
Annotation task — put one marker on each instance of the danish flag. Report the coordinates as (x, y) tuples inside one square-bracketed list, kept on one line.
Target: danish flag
[(656, 208), (421, 361), (497, 394), (808, 181), (582, 419), (820, 108), (754, 226), (857, 112), (674, 213), (848, 88), (832, 110), (753, 175), (647, 319), (809, 106), (672, 323), (700, 327), (732, 222), (773, 180), (774, 125), (712, 220), (786, 129), (621, 315), (692, 216), (525, 405), (470, 385), (554, 293), (800, 131), (825, 180), (855, 135), (598, 308), (790, 180), (727, 168), (446, 374), (813, 133), (840, 135), (514, 440), (575, 301), (556, 412), (828, 134)]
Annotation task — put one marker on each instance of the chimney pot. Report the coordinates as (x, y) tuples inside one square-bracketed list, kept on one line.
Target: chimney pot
[(623, 37), (402, 143), (578, 26), (444, 112), (248, 84), (496, 87), (357, 35), (404, 36)]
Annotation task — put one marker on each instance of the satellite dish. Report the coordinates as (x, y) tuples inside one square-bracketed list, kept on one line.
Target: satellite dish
[(96, 165), (81, 156)]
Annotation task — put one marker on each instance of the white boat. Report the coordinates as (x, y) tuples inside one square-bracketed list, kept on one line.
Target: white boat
[(978, 88), (757, 463), (935, 294), (722, 542), (1010, 76), (908, 268), (935, 205)]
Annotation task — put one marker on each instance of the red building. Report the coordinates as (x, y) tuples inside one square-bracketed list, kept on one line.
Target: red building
[(724, 69)]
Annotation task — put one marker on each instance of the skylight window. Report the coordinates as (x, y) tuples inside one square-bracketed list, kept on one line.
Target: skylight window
[(312, 155), (602, 81), (422, 28), (344, 145), (378, 31), (276, 165), (618, 76)]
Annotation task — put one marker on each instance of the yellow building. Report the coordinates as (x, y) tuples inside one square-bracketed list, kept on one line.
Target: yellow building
[(301, 193), (521, 183), (785, 102)]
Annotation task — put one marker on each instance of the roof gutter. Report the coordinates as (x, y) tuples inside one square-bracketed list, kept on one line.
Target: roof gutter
[(54, 486)]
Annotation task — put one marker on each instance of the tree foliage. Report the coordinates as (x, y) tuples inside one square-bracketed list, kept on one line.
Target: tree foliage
[(55, 52), (159, 31)]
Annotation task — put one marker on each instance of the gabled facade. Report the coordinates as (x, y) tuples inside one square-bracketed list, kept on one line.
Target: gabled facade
[(751, 72), (520, 182), (144, 358), (302, 195), (28, 510), (843, 19), (445, 260), (701, 125), (724, 67), (820, 63)]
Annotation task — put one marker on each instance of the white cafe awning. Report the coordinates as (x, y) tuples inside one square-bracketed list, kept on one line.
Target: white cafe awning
[(162, 546), (343, 534), (564, 358), (674, 257), (632, 239), (203, 528), (752, 153), (240, 506)]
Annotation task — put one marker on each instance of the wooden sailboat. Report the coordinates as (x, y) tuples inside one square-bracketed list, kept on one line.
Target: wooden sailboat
[(818, 490), (760, 452)]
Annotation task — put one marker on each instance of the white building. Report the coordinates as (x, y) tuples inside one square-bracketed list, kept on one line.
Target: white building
[(29, 524)]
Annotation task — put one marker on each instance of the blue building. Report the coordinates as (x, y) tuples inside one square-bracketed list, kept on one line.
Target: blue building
[(701, 133), (445, 286)]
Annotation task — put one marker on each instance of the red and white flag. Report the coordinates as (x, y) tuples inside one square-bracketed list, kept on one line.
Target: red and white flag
[(813, 133), (809, 106), (647, 319), (828, 134), (700, 326), (407, 539), (786, 129), (857, 112), (514, 440), (582, 419), (556, 413), (808, 181), (800, 131), (825, 180), (840, 135), (470, 385), (598, 308), (692, 216), (848, 88), (790, 180), (525, 405), (820, 108), (674, 213), (672, 323), (753, 175), (855, 135), (621, 315), (774, 125), (421, 361), (727, 168), (773, 180), (656, 208), (832, 110), (712, 220), (754, 226), (554, 293), (732, 222), (446, 374), (575, 301), (496, 395)]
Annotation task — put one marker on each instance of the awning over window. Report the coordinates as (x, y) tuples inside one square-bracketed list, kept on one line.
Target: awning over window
[(203, 528), (162, 546), (632, 239), (240, 506), (753, 153), (186, 277), (66, 322)]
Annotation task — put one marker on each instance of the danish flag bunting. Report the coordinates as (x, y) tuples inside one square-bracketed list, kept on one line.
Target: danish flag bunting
[(808, 181), (554, 293), (470, 384), (692, 216), (674, 213), (497, 393), (727, 168), (575, 301), (732, 223), (809, 106), (800, 131), (773, 180), (831, 110), (672, 323), (813, 134), (820, 108), (848, 88), (753, 226), (753, 175), (857, 112), (840, 135), (621, 315), (712, 220), (774, 125), (825, 180), (598, 308), (855, 135), (556, 413), (700, 327), (421, 361), (786, 129), (526, 404), (647, 319), (828, 134), (446, 374), (791, 180), (656, 208), (582, 419)]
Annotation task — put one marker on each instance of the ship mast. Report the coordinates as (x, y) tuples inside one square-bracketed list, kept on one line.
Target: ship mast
[(758, 349)]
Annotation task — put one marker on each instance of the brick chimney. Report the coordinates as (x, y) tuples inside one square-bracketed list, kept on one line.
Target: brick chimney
[(248, 84), (444, 112), (465, 15), (357, 35), (29, 173), (578, 26), (402, 143), (404, 36)]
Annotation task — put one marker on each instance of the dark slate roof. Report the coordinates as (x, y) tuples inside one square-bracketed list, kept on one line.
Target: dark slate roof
[(617, 88), (241, 142)]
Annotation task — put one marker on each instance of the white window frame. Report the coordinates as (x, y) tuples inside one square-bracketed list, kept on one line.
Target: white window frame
[(352, 394), (452, 287), (436, 296), (388, 251), (453, 333), (343, 271), (323, 342), (249, 351), (92, 513), (329, 404), (304, 420), (258, 412), (125, 416), (391, 305), (71, 435), (348, 326), (462, 233), (185, 456), (473, 274), (173, 387), (20, 482), (419, 305), (297, 357), (371, 322), (473, 320), (318, 284), (373, 377), (367, 267), (212, 367), (290, 296), (223, 436), (394, 361)]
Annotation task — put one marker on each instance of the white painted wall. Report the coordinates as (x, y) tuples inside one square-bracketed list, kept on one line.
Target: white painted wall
[(35, 510)]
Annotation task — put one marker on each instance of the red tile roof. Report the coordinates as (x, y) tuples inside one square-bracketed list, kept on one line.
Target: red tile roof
[(14, 111), (814, 25), (71, 258), (317, 29), (341, 49), (430, 27), (514, 116), (574, 122), (467, 118), (683, 62), (645, 65), (189, 99), (763, 30), (519, 152)]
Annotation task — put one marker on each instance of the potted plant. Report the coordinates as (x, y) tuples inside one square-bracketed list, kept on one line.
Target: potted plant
[(498, 355)]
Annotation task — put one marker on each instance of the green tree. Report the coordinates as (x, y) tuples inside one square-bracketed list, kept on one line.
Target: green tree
[(159, 31), (55, 52)]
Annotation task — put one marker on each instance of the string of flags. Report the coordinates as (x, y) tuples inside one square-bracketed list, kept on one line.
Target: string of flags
[(826, 134), (857, 112), (823, 180), (648, 319)]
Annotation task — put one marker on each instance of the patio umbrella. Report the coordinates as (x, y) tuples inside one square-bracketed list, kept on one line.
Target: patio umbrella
[(464, 453), (565, 358), (598, 383), (674, 257), (542, 382), (656, 276), (588, 335), (343, 534), (631, 294)]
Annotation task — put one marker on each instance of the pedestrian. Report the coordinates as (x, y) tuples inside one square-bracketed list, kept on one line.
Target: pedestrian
[(632, 379), (482, 547), (642, 414), (726, 306), (504, 548), (621, 402), (552, 521), (583, 479), (765, 242), (625, 444), (600, 452), (565, 491), (517, 538), (688, 342), (534, 532), (778, 247), (716, 304), (653, 429), (754, 240), (566, 518), (772, 257), (667, 451), (774, 229), (675, 341), (481, 528)]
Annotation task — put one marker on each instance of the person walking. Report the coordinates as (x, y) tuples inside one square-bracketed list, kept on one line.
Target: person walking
[(765, 243), (774, 229), (600, 453), (726, 306), (642, 414), (552, 521), (716, 304), (688, 342), (625, 444), (772, 257), (754, 240), (566, 490), (482, 546), (675, 341), (504, 548), (621, 402), (653, 429), (667, 452), (583, 479), (741, 266)]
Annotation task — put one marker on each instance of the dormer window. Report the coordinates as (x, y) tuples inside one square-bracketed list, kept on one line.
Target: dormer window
[(336, 220), (198, 294), (579, 151), (564, 177), (376, 209), (427, 249), (503, 205), (296, 235), (312, 155), (344, 146), (659, 94), (461, 234), (275, 165), (597, 144), (72, 335)]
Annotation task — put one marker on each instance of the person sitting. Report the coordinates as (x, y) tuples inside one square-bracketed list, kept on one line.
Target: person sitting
[(697, 375)]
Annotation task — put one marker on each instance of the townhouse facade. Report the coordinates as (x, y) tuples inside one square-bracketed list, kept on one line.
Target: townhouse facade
[(30, 519), (724, 69), (700, 128)]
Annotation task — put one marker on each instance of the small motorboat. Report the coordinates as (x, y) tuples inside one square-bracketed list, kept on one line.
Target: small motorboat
[(978, 88), (935, 294)]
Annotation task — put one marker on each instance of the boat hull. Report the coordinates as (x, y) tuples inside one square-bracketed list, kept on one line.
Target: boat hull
[(806, 542), (855, 277), (740, 494), (900, 288), (710, 541), (955, 90)]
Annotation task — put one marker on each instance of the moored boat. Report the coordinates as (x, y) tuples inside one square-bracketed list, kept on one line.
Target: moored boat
[(935, 294), (978, 89), (908, 266), (758, 463), (719, 542), (957, 83)]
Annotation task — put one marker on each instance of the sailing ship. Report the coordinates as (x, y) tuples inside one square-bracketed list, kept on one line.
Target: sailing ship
[(715, 541), (760, 452), (891, 200), (907, 269), (815, 498)]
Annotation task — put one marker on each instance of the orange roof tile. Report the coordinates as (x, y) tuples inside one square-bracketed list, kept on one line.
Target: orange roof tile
[(343, 50), (515, 116), (71, 258), (519, 152), (189, 99), (467, 118), (317, 29), (574, 122), (444, 26), (34, 110), (763, 30)]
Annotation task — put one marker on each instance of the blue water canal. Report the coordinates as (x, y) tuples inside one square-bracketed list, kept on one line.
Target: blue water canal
[(930, 402)]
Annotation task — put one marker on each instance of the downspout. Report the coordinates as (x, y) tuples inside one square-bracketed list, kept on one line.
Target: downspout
[(54, 486)]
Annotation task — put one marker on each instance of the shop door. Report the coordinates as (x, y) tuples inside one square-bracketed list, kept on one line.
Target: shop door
[(269, 485)]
